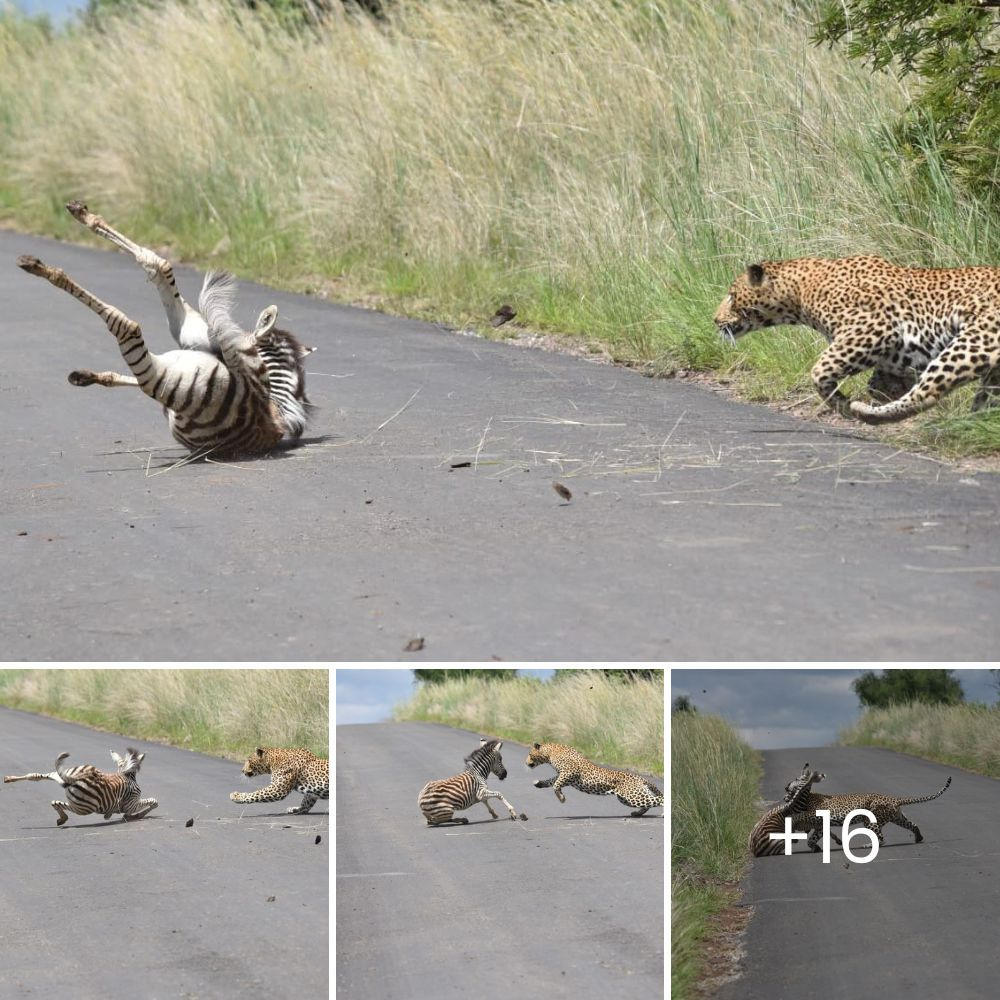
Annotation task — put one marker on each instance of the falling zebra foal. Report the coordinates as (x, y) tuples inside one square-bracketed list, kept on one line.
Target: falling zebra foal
[(798, 795), (89, 790), (225, 391), (439, 800)]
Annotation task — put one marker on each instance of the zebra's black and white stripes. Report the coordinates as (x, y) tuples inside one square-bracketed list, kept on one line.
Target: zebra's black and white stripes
[(797, 794), (226, 392), (439, 800), (89, 790)]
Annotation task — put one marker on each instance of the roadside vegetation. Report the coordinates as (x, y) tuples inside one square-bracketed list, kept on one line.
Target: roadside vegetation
[(613, 722), (714, 791), (605, 168), (222, 712), (967, 735)]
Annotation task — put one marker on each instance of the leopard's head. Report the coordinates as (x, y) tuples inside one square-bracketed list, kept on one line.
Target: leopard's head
[(537, 755), (761, 296), (259, 763)]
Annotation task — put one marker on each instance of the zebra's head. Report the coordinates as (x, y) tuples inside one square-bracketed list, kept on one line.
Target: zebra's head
[(129, 762), (487, 760), (803, 783)]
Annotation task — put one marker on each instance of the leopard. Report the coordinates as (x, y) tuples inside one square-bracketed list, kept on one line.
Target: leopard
[(575, 770), (885, 808), (924, 331), (291, 770)]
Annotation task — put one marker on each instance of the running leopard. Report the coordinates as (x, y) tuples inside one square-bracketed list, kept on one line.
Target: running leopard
[(885, 808), (924, 331), (576, 771), (291, 770)]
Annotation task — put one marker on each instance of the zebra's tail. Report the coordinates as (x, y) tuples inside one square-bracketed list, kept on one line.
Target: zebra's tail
[(63, 777), (925, 798), (215, 303)]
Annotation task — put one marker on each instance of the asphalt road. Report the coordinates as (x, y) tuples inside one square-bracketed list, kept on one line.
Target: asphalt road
[(154, 910), (566, 904), (699, 528), (918, 922)]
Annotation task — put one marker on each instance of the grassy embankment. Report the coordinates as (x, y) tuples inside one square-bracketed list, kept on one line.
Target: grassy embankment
[(965, 735), (614, 723), (606, 168), (714, 790), (221, 712)]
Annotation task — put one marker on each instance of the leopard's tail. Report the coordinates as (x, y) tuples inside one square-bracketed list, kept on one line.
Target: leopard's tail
[(924, 798)]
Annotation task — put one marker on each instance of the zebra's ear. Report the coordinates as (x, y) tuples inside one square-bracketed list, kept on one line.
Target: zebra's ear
[(265, 321), (499, 744), (118, 760)]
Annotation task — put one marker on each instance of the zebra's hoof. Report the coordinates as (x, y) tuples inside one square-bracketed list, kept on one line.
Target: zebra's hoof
[(77, 209), (523, 816), (29, 263), (82, 376)]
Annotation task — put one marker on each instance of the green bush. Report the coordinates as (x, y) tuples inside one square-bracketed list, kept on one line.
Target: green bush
[(950, 46)]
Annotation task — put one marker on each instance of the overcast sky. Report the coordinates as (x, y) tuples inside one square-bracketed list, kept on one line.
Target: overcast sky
[(368, 695), (792, 707)]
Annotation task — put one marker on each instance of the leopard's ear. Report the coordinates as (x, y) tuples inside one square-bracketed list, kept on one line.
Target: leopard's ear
[(536, 746), (756, 275), (260, 751)]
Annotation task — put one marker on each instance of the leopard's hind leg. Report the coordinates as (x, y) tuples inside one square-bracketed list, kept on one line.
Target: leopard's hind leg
[(972, 355)]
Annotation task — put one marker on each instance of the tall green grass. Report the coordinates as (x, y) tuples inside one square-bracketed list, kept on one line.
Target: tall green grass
[(713, 782), (605, 167), (222, 712), (966, 735), (615, 723)]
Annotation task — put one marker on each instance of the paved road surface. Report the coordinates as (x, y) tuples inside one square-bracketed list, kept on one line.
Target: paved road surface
[(918, 922), (699, 528), (567, 904), (98, 910)]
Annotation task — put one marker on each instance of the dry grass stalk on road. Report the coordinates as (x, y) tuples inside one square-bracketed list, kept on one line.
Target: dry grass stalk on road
[(714, 779), (966, 735), (223, 712), (614, 723), (606, 167)]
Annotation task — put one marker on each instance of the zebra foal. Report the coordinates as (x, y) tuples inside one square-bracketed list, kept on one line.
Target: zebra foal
[(797, 794), (225, 391), (89, 790), (439, 800)]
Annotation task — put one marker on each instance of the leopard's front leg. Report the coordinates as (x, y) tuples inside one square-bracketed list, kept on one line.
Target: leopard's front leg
[(281, 785), (849, 354), (308, 801)]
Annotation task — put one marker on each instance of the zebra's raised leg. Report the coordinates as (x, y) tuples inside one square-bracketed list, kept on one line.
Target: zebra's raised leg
[(147, 368), (61, 808), (485, 802), (187, 326), (34, 776), (110, 380)]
